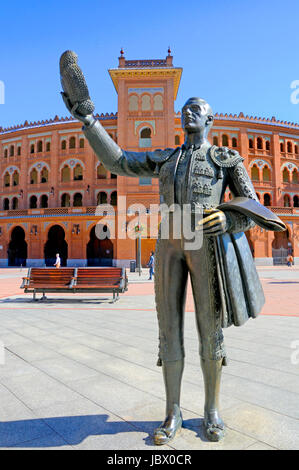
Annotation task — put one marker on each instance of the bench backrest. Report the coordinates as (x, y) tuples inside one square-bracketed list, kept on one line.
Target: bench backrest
[(51, 276), (99, 276)]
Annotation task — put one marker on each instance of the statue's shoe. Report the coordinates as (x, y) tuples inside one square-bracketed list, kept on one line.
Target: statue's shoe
[(167, 431), (214, 431)]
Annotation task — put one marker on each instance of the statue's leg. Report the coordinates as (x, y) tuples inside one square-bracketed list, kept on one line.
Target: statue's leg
[(172, 374), (213, 424), (170, 287), (208, 318)]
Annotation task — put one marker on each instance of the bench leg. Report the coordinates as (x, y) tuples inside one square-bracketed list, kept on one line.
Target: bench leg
[(44, 296), (115, 297)]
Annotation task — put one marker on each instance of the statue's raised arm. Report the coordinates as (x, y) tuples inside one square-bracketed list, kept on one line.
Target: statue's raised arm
[(77, 100)]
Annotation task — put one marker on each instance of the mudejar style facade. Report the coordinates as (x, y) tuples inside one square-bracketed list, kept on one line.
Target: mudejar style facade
[(51, 181)]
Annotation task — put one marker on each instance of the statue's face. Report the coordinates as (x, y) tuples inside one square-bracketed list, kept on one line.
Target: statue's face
[(195, 113)]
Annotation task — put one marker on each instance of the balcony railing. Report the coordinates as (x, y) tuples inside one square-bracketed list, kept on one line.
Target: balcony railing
[(90, 210), (285, 210), (145, 63)]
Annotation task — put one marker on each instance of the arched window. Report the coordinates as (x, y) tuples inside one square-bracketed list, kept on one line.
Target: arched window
[(77, 200), (158, 103), (39, 146), (234, 142), (296, 201), (296, 149), (145, 139), (63, 145), (6, 204), (113, 198), (44, 175), (267, 144), (250, 142), (81, 143), (285, 176), (146, 103), (267, 199), (7, 179), (72, 143), (11, 150), (32, 149), (101, 172), (215, 140), (225, 140), (65, 200), (44, 201), (15, 203), (19, 150), (102, 198), (289, 147), (48, 146), (177, 140), (286, 201), (295, 177), (266, 173), (15, 178), (33, 202), (259, 143), (33, 176), (255, 174), (5, 153), (65, 174), (281, 146), (133, 103), (78, 172)]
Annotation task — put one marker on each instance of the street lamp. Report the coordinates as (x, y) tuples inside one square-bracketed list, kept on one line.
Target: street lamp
[(138, 230)]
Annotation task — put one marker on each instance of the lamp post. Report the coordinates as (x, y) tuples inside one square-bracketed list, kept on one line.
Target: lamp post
[(138, 230), (139, 253)]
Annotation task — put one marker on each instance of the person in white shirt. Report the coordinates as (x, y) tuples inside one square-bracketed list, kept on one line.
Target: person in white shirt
[(58, 261)]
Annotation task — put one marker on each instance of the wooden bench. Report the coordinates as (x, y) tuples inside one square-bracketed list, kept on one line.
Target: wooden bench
[(74, 280), (112, 280)]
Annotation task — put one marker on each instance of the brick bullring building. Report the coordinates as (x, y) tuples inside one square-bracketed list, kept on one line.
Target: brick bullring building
[(51, 181)]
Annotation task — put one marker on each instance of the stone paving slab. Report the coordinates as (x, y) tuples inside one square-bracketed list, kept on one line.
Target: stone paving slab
[(81, 373), (273, 429)]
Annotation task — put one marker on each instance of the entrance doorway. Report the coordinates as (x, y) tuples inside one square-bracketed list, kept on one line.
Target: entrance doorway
[(99, 252), (281, 247), (17, 248), (56, 244)]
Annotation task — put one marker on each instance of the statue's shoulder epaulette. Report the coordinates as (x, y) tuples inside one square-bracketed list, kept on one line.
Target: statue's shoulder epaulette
[(161, 156), (225, 157)]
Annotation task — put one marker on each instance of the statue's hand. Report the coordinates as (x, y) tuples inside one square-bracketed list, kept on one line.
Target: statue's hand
[(75, 91), (214, 223), (85, 119)]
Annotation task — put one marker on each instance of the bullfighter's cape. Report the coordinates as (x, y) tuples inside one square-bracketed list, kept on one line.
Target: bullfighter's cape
[(240, 288)]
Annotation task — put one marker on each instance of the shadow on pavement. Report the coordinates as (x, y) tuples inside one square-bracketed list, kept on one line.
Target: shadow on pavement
[(75, 429), (284, 282), (50, 301)]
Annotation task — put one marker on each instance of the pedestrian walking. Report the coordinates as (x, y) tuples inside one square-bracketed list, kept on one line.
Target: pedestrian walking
[(58, 261), (151, 266)]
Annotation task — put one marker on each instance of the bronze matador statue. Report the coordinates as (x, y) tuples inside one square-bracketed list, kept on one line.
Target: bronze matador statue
[(225, 284)]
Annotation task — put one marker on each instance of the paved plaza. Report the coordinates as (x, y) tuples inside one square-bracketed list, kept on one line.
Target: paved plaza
[(80, 372)]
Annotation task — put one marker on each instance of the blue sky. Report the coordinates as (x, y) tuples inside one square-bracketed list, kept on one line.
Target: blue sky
[(238, 55)]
